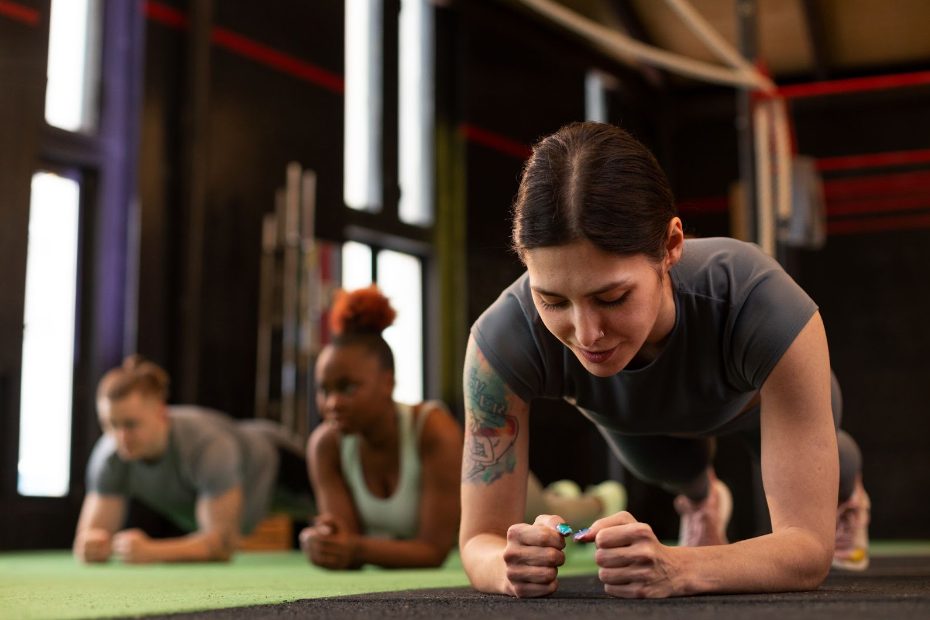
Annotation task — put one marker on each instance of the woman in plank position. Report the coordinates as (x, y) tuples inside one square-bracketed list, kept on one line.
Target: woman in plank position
[(664, 344), (386, 472)]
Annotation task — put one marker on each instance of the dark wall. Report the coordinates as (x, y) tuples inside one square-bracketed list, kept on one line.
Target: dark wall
[(873, 292), (869, 280), (259, 118)]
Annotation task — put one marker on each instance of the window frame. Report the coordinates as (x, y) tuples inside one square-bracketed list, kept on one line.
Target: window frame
[(383, 229), (106, 160)]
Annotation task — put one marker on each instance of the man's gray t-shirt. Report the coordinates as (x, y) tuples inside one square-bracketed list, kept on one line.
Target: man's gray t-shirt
[(207, 454), (736, 313)]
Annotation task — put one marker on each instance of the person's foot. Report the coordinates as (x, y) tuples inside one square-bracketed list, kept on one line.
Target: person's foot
[(611, 495), (852, 531), (705, 522)]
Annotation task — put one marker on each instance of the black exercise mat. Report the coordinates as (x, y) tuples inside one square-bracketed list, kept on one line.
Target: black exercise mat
[(893, 587)]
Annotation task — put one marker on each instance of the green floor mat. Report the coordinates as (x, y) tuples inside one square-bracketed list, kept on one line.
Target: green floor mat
[(52, 584)]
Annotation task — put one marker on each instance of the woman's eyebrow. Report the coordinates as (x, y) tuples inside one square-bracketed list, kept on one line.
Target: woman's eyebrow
[(607, 287)]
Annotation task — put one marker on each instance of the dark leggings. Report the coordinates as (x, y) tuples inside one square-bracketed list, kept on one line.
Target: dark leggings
[(679, 465), (292, 472)]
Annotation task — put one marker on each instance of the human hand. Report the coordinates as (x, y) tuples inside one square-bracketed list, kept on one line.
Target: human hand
[(93, 545), (327, 543), (632, 562), (133, 546), (533, 555)]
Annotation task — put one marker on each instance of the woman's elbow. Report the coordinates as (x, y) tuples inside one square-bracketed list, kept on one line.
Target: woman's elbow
[(434, 561), (821, 569), (437, 555), (814, 566)]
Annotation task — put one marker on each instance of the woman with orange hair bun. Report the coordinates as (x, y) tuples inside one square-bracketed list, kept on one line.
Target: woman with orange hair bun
[(385, 474)]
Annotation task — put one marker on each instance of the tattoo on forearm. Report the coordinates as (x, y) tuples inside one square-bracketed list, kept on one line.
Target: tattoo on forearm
[(491, 433)]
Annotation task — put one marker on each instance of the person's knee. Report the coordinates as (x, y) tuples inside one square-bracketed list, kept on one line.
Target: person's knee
[(850, 463)]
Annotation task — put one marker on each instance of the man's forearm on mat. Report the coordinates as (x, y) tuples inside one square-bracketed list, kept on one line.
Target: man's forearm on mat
[(197, 546)]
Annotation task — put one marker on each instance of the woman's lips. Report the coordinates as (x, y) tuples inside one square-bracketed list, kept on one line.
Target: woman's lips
[(597, 357)]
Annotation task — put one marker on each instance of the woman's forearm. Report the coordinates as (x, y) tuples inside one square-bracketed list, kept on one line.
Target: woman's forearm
[(483, 560), (790, 560), (391, 553)]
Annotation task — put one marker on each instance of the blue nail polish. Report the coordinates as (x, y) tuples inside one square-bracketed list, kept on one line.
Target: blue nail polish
[(564, 529), (580, 533)]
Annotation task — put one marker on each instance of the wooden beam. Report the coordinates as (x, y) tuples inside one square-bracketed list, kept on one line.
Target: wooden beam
[(627, 15), (817, 37)]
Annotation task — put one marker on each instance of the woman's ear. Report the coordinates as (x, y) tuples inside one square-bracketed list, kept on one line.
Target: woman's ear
[(674, 242)]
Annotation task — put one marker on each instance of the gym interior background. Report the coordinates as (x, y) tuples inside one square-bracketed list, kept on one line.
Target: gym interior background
[(198, 107)]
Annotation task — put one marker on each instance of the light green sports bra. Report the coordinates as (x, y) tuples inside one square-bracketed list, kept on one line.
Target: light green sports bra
[(397, 516)]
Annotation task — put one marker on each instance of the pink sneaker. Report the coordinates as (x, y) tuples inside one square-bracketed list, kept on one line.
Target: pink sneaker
[(852, 531), (705, 523)]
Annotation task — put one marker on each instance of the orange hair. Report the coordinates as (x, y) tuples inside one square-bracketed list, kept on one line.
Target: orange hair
[(365, 310)]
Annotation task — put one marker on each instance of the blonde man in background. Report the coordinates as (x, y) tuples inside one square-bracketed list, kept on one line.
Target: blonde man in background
[(211, 477)]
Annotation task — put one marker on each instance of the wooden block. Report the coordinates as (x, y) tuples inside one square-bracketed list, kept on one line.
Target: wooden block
[(273, 533)]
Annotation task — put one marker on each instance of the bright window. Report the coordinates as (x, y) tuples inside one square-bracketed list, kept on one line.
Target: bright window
[(356, 265), (73, 64), (595, 96), (48, 337), (362, 130), (415, 139), (400, 277)]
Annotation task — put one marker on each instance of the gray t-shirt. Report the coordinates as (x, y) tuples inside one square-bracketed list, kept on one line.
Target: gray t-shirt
[(207, 454), (736, 313)]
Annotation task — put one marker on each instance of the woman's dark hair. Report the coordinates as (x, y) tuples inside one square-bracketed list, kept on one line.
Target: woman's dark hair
[(358, 318), (596, 182)]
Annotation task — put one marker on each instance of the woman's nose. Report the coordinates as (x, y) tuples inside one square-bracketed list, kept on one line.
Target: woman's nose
[(587, 328)]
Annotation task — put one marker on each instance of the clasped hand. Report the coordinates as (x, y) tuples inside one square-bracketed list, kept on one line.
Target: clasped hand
[(94, 545), (328, 543), (632, 563), (132, 546)]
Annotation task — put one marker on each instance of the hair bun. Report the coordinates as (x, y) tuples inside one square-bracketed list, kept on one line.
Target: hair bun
[(365, 310)]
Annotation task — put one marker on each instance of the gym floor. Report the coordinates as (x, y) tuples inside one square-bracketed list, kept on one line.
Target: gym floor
[(283, 585)]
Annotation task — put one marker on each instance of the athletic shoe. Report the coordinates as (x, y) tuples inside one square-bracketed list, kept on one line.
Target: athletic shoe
[(705, 522), (852, 531), (568, 489), (611, 494)]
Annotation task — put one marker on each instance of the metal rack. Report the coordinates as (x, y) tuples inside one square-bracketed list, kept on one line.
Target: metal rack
[(294, 292)]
